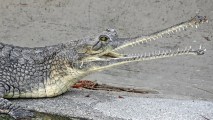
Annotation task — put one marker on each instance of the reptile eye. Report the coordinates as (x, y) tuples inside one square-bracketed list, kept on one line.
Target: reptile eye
[(103, 38)]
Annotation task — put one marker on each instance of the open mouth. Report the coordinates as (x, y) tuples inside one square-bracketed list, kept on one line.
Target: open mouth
[(107, 49), (153, 55), (194, 22)]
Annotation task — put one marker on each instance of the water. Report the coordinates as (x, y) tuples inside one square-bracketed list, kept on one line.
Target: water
[(43, 116)]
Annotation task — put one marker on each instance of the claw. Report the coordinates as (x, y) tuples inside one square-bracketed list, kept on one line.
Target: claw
[(21, 113)]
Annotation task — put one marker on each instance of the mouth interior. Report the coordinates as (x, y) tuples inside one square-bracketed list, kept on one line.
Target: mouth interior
[(151, 55)]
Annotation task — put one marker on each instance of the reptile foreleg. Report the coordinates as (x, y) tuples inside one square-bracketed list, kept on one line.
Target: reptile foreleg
[(6, 107)]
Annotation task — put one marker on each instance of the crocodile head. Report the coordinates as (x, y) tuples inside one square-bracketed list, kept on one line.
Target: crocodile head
[(103, 52)]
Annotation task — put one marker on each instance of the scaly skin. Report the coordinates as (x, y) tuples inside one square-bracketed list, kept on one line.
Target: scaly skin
[(50, 71)]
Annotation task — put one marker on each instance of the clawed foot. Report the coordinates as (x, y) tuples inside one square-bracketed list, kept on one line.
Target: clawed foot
[(21, 113), (17, 112)]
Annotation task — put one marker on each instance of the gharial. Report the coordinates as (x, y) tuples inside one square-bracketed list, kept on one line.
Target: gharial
[(51, 70)]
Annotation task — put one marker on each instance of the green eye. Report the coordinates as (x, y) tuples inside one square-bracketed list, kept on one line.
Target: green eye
[(103, 38)]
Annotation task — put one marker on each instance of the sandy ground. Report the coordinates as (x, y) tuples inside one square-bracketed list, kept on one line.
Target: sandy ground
[(101, 105), (46, 22)]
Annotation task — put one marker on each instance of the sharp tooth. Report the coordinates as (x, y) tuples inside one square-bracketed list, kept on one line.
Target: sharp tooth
[(152, 38), (178, 51), (174, 53), (168, 33), (183, 28), (163, 53), (163, 33), (182, 50), (167, 52), (190, 47), (200, 47), (187, 50), (143, 39), (153, 54), (148, 39), (159, 52), (138, 43)]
